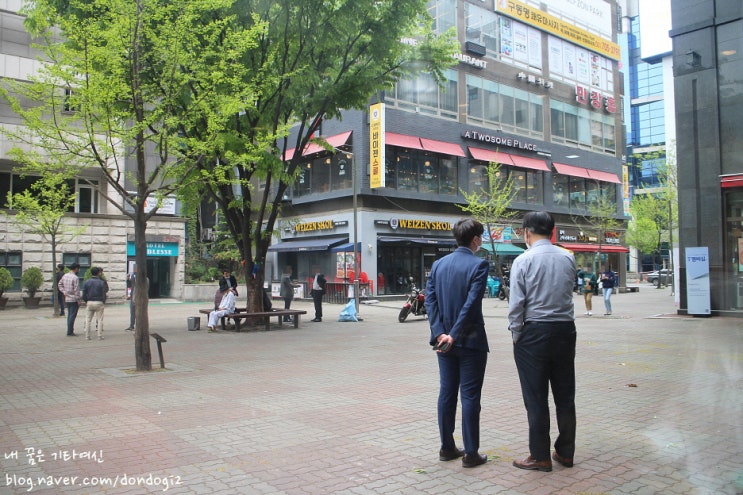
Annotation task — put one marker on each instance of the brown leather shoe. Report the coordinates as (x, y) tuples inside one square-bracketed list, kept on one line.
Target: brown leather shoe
[(565, 461), (450, 455), (534, 465), (472, 460)]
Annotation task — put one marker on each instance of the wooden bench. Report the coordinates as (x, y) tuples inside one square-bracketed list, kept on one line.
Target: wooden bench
[(243, 314)]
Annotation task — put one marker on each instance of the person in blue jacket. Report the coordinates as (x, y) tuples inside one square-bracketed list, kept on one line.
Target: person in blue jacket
[(454, 293)]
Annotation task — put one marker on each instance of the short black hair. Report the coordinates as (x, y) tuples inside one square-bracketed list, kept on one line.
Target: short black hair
[(467, 229), (539, 222), (95, 271), (74, 266)]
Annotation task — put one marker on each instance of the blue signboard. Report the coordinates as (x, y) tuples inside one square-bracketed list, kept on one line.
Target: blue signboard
[(155, 249)]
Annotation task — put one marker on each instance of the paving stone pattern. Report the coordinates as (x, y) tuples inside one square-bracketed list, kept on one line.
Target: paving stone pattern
[(350, 408)]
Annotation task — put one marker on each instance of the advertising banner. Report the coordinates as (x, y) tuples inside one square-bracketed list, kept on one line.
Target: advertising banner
[(376, 146), (697, 280)]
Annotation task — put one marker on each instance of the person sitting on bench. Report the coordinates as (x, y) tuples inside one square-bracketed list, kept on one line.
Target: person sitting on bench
[(226, 306)]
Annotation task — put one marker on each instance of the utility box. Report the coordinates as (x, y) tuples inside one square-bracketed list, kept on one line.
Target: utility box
[(194, 322)]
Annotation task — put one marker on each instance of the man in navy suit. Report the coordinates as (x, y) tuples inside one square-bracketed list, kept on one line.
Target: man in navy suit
[(454, 294)]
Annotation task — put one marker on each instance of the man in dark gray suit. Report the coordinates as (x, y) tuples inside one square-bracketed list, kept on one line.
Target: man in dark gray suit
[(454, 294)]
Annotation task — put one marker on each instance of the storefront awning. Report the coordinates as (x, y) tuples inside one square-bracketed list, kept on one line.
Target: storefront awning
[(334, 141), (604, 176), (442, 147), (322, 244), (508, 159), (504, 248), (735, 180), (572, 170), (421, 241), (402, 141), (593, 248), (346, 248), (585, 173)]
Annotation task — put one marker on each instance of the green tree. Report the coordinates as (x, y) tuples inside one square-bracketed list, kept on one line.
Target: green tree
[(312, 61), (655, 212), (40, 210), (115, 91), (490, 205), (600, 218)]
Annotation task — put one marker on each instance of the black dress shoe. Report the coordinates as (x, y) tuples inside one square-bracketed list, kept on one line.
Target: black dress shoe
[(472, 460), (565, 461), (534, 465), (450, 455), (317, 319)]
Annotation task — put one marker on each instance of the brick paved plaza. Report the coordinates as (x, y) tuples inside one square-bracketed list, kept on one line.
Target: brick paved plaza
[(350, 408)]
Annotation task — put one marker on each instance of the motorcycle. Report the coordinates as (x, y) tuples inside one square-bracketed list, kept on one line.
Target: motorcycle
[(415, 304)]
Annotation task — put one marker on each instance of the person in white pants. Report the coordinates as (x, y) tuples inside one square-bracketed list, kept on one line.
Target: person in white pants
[(226, 307)]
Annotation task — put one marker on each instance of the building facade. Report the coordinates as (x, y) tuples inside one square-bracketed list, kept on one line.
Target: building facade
[(537, 88), (650, 113), (708, 69), (107, 235)]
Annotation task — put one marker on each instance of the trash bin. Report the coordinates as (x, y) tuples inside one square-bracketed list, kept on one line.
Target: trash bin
[(194, 322)]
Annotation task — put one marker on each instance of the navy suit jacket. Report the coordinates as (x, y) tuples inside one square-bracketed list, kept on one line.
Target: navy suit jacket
[(454, 294)]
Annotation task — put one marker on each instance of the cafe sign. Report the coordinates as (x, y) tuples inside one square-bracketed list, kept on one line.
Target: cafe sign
[(419, 224)]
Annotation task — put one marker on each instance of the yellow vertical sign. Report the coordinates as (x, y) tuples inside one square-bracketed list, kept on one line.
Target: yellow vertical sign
[(376, 145)]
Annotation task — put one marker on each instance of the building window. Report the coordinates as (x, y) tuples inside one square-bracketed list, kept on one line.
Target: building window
[(86, 192), (82, 259), (481, 27), (419, 171), (325, 173), (497, 105), (527, 184), (423, 95), (444, 13), (13, 261), (581, 194), (582, 128)]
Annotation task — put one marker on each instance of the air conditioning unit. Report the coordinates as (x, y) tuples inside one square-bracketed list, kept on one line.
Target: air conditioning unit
[(521, 75)]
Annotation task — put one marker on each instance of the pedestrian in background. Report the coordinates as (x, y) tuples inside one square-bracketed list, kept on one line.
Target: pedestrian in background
[(60, 296), (287, 289), (230, 280), (226, 306), (69, 285), (319, 285), (608, 282), (131, 283), (590, 285), (542, 323), (95, 290), (454, 293)]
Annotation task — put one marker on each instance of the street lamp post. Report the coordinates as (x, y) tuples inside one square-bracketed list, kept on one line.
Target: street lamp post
[(356, 262)]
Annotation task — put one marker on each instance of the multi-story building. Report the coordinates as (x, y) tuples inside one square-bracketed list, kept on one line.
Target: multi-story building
[(708, 69), (107, 238), (537, 88), (650, 113)]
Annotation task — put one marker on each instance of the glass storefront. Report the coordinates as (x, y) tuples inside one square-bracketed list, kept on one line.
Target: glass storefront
[(734, 248)]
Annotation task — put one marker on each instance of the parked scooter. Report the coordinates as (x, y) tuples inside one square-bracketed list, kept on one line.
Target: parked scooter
[(415, 303)]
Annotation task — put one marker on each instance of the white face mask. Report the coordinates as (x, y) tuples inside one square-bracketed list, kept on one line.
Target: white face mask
[(526, 240)]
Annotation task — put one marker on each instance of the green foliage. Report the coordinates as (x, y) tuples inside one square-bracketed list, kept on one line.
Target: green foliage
[(6, 280), (490, 205), (31, 279)]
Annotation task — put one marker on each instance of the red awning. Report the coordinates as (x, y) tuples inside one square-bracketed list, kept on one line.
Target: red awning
[(572, 170), (334, 141), (604, 176), (442, 147), (491, 156), (732, 180), (594, 248), (531, 163), (402, 141)]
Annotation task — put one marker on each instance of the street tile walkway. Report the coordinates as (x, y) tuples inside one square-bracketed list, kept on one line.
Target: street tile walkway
[(350, 408)]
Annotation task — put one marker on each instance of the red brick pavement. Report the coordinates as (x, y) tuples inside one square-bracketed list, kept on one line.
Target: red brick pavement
[(350, 408)]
